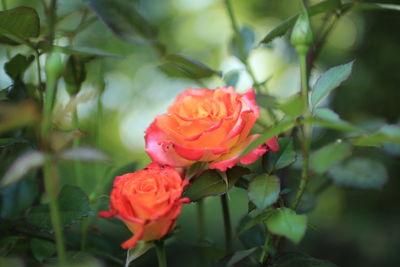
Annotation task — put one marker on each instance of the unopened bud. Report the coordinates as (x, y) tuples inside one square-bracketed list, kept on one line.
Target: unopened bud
[(302, 35), (54, 65)]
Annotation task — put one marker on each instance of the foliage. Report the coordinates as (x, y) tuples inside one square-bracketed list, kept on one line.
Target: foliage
[(58, 165)]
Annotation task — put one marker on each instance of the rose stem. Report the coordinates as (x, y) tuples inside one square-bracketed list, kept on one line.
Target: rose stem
[(227, 223), (160, 249), (306, 136), (264, 253)]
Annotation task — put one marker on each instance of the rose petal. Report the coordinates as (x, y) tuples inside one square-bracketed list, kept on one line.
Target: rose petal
[(131, 242), (249, 97), (254, 155), (272, 144), (159, 150)]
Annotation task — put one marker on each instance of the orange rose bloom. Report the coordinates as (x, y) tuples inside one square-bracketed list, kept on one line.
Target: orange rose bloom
[(147, 201), (209, 126)]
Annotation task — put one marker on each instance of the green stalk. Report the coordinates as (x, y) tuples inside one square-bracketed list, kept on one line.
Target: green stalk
[(160, 250), (306, 137), (264, 253), (49, 181), (52, 16), (227, 223)]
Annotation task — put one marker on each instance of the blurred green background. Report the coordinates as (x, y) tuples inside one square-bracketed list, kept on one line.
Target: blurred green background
[(353, 227)]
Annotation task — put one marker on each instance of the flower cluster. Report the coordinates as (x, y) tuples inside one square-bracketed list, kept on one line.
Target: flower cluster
[(202, 125)]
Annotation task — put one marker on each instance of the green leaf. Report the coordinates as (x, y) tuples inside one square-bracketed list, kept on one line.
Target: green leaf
[(181, 66), (285, 156), (137, 251), (264, 190), (333, 124), (24, 164), (251, 222), (78, 51), (281, 127), (286, 222), (240, 255), (243, 44), (330, 80), (322, 7), (5, 142), (17, 115), (231, 78), (375, 6), (210, 183), (17, 65), (300, 260), (16, 198), (124, 20), (293, 107), (386, 134), (42, 249), (14, 262), (87, 154), (360, 173), (19, 25), (73, 205), (322, 159)]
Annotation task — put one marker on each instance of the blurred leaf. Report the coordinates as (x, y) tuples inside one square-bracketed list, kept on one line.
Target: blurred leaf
[(74, 74), (231, 78), (23, 165), (16, 198), (19, 24), (61, 139), (251, 222), (281, 127), (386, 134), (42, 249), (14, 262), (78, 51), (286, 222), (87, 154), (264, 190), (17, 115), (73, 205), (359, 173), (285, 156), (322, 7), (5, 142), (124, 20), (210, 183), (137, 251), (374, 6), (250, 234), (326, 117), (322, 159), (330, 80), (242, 45), (240, 255), (293, 106), (300, 260), (181, 66), (17, 65)]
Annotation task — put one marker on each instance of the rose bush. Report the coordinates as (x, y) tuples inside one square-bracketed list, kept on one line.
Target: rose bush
[(147, 201), (209, 126)]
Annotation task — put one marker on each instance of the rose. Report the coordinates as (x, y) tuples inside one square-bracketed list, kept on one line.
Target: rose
[(209, 126), (147, 201)]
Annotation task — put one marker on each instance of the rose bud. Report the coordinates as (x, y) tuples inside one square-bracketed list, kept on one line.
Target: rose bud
[(209, 126), (147, 201)]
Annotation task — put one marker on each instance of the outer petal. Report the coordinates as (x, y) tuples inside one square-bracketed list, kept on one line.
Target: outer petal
[(160, 150), (272, 144), (249, 97)]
